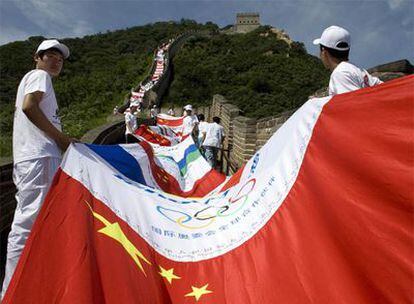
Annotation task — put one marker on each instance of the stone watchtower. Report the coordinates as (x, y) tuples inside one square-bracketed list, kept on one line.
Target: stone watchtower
[(246, 22)]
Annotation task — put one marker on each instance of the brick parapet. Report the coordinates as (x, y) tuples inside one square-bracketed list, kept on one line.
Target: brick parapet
[(267, 126), (244, 135), (244, 140)]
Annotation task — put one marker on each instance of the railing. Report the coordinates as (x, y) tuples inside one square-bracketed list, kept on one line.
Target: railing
[(225, 158)]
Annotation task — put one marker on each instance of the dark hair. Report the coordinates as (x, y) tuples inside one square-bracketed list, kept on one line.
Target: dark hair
[(216, 119), (201, 117), (341, 55), (42, 53)]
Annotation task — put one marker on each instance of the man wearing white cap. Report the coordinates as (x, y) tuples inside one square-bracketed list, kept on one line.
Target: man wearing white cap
[(131, 123), (38, 142), (189, 120), (335, 44)]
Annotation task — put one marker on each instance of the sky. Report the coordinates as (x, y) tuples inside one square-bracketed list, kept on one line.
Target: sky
[(381, 30)]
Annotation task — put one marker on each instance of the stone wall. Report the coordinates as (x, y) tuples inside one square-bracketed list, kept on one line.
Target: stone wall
[(247, 135), (246, 22), (244, 135), (266, 127)]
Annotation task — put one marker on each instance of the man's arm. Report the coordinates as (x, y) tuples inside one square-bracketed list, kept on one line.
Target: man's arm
[(32, 110), (374, 80)]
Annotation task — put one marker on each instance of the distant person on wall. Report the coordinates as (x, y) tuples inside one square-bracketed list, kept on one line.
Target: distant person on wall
[(115, 110), (202, 129), (154, 112), (335, 44), (213, 141), (189, 120), (171, 111), (38, 142), (131, 123)]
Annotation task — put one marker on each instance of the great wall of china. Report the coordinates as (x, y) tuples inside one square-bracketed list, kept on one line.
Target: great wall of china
[(244, 135)]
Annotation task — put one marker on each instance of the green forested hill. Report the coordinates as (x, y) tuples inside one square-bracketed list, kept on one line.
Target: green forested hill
[(101, 70), (258, 72)]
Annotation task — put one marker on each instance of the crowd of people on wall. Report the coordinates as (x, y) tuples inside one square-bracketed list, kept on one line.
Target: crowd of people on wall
[(209, 137), (161, 61)]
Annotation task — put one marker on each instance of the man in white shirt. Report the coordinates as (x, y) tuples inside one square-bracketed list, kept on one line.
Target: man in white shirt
[(189, 121), (335, 44), (154, 112), (213, 141), (38, 142), (171, 111), (131, 123), (202, 131)]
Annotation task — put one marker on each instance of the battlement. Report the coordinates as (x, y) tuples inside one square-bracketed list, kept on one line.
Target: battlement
[(246, 22)]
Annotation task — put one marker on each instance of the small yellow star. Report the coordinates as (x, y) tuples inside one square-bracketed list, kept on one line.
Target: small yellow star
[(168, 274), (198, 292)]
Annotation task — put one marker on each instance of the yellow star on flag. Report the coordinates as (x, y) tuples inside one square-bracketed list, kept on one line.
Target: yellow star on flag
[(198, 292), (168, 274), (114, 231)]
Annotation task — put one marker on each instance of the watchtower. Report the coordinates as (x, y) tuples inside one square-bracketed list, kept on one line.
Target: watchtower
[(246, 22)]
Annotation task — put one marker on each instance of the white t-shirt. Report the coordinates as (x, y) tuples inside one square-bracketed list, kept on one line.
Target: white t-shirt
[(29, 142), (130, 123), (202, 128), (153, 113), (188, 124), (346, 77), (214, 135)]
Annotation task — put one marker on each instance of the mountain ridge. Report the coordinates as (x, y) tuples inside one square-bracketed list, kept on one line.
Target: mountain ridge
[(104, 67)]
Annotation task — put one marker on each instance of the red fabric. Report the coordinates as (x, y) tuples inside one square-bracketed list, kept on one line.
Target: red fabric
[(173, 122), (344, 234), (233, 180), (169, 184), (155, 138)]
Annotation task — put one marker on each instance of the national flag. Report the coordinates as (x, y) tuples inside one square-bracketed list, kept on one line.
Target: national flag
[(174, 123), (147, 133), (323, 213)]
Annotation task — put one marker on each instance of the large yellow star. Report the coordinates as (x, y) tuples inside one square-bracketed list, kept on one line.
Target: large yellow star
[(198, 292), (168, 274), (114, 231)]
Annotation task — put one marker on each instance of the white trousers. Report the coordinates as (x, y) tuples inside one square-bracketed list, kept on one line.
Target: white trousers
[(32, 179)]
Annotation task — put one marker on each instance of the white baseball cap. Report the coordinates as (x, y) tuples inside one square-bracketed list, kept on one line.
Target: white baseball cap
[(188, 107), (53, 43), (335, 37)]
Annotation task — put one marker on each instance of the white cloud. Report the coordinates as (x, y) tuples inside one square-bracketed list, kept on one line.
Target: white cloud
[(395, 4), (45, 14), (56, 18), (9, 34), (82, 28)]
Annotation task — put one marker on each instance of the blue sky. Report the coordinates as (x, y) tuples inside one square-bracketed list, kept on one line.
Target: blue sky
[(381, 30)]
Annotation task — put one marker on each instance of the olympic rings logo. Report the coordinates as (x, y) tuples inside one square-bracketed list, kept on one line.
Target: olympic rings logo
[(208, 215)]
